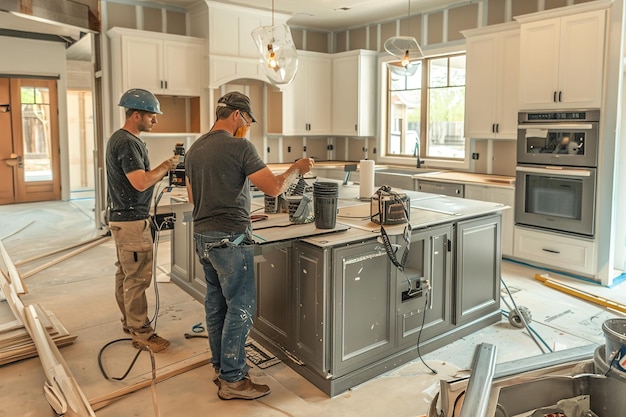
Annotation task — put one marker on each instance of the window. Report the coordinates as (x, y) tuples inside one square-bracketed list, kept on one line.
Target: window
[(427, 110)]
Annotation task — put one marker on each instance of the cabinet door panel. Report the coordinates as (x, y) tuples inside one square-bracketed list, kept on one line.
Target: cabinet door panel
[(539, 57), (429, 259), (345, 92), (274, 295), (508, 94), (142, 63), (319, 96), (580, 80), (477, 268), (363, 307), (295, 101), (310, 327), (182, 67), (481, 86)]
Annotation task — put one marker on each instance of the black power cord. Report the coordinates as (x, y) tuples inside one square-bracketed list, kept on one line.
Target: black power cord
[(419, 334), (157, 227)]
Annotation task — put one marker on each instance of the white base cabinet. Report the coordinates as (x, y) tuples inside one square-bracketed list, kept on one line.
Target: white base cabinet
[(577, 255), (500, 195)]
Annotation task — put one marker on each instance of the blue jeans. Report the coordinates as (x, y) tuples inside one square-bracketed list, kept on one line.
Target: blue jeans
[(230, 301)]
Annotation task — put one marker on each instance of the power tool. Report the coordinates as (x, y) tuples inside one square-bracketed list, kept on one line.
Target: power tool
[(177, 175)]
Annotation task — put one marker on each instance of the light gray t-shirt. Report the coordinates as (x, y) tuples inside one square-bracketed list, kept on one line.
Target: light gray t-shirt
[(217, 165)]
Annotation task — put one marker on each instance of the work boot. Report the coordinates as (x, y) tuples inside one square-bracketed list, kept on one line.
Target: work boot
[(155, 342), (216, 377), (241, 390)]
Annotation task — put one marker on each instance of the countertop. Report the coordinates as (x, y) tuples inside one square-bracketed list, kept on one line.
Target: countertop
[(353, 218), (442, 175)]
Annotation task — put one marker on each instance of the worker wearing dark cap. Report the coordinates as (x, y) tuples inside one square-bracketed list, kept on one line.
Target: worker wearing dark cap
[(220, 166)]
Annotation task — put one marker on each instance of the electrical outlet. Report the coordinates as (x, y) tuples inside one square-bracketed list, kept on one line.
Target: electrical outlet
[(475, 156), (288, 148)]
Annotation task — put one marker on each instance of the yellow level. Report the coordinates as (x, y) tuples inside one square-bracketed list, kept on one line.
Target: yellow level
[(581, 294)]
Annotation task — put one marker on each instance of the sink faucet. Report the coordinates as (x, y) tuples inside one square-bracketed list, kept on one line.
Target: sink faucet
[(416, 152)]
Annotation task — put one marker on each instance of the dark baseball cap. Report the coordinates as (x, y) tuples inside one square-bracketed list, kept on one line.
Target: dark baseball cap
[(236, 100)]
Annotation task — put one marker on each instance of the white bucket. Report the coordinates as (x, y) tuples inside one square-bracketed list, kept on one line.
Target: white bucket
[(615, 339)]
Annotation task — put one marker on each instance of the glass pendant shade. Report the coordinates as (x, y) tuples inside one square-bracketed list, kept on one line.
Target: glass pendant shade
[(407, 50), (403, 69), (277, 52)]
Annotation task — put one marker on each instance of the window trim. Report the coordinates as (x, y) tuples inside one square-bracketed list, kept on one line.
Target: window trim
[(383, 157)]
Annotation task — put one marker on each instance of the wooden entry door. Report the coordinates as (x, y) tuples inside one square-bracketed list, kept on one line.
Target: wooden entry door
[(29, 141)]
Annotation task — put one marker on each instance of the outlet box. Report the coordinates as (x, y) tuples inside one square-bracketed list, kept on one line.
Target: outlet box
[(475, 155)]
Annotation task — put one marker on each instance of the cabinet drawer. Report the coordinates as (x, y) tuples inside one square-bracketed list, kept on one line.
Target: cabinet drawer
[(558, 251), (445, 188)]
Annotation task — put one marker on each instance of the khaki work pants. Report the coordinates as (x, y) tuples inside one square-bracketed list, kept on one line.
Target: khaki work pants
[(133, 241)]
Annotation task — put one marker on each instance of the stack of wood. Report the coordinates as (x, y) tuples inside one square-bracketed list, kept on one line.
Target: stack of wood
[(15, 340), (16, 343), (61, 390)]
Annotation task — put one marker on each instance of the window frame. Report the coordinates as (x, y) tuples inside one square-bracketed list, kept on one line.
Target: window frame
[(383, 83)]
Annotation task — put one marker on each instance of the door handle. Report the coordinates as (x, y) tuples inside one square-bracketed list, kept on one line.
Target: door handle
[(13, 160)]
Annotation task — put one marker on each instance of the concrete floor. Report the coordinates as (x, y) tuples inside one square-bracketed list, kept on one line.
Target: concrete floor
[(79, 291)]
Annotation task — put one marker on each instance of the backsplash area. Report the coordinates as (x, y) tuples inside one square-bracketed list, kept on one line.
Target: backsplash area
[(503, 157)]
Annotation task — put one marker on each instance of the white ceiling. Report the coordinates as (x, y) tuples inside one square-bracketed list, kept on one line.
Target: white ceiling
[(336, 14)]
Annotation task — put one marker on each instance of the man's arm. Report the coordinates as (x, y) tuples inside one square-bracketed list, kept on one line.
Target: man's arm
[(272, 185), (142, 180)]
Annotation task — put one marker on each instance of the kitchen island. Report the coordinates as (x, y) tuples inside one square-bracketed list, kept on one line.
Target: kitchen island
[(332, 305)]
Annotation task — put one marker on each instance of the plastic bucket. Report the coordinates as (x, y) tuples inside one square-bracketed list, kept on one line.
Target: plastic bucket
[(615, 340), (325, 211)]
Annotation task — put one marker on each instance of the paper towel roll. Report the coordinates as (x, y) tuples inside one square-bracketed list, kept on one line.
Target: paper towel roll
[(366, 178)]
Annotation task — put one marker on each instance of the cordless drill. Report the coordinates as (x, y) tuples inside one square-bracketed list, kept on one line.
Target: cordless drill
[(177, 175)]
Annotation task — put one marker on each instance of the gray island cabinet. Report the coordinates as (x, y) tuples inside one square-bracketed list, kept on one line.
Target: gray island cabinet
[(332, 305)]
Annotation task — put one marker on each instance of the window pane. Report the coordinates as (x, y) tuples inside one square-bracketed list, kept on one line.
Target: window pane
[(36, 135), (438, 72), (446, 115), (457, 70), (405, 111), (444, 99), (411, 82)]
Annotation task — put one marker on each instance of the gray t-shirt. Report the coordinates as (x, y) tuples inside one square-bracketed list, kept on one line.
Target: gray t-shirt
[(126, 153), (217, 165)]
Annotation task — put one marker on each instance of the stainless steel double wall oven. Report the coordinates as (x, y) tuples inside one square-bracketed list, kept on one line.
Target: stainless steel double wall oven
[(557, 161)]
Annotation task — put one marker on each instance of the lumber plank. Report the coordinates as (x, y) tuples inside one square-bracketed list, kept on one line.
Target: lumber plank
[(62, 391), (165, 374), (596, 299), (14, 278), (63, 258), (55, 251)]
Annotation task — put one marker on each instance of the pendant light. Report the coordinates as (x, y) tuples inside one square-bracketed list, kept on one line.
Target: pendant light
[(278, 54), (406, 49)]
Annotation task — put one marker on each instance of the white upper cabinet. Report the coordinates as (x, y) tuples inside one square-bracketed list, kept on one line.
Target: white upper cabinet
[(492, 83), (353, 93), (561, 61), (161, 63), (306, 101), (233, 53)]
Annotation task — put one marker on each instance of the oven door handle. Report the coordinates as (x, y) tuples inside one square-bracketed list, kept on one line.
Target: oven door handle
[(569, 172), (559, 126)]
